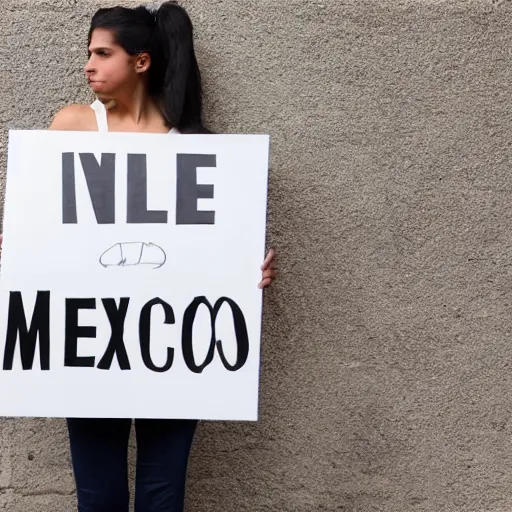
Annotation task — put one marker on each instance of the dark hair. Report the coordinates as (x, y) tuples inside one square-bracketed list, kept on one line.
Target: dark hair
[(167, 36)]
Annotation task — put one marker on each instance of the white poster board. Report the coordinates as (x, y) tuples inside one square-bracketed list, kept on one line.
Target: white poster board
[(129, 275)]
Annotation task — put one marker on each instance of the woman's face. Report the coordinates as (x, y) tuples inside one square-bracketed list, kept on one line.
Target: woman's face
[(110, 68)]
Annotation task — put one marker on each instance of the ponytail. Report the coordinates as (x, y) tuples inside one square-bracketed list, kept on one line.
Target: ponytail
[(174, 77), (181, 91)]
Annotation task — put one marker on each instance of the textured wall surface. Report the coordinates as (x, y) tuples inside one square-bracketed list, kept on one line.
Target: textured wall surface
[(387, 363)]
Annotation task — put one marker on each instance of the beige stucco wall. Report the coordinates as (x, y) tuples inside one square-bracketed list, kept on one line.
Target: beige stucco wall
[(387, 363)]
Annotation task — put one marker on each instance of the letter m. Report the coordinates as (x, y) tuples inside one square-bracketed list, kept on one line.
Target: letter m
[(17, 329)]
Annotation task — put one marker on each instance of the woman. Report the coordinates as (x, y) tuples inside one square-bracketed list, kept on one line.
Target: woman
[(143, 70)]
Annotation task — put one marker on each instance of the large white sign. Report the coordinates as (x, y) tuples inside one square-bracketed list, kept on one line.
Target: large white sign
[(130, 267)]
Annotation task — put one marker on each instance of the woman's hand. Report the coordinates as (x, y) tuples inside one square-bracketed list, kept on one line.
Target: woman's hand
[(268, 270)]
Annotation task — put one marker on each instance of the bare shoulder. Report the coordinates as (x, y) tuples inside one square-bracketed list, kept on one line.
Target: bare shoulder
[(74, 117)]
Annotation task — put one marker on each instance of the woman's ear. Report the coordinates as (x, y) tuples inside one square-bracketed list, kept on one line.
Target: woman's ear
[(142, 63)]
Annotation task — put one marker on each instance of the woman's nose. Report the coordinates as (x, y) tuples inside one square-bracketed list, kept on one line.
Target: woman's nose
[(89, 68)]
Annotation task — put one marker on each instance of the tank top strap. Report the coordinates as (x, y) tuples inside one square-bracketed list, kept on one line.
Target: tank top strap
[(101, 118), (101, 115)]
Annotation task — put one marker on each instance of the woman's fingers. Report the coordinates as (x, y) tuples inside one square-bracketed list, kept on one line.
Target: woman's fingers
[(271, 255), (269, 273), (265, 282), (267, 277)]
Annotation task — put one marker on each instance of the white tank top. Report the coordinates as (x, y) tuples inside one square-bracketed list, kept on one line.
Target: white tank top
[(101, 118)]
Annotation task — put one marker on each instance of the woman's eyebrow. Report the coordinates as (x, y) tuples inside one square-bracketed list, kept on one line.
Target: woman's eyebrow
[(99, 48)]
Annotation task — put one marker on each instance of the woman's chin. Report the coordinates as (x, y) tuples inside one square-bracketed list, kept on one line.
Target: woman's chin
[(98, 88)]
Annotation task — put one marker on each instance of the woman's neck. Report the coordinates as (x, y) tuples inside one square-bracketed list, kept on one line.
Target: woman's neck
[(136, 106)]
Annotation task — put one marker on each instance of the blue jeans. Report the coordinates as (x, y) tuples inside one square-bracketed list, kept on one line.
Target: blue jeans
[(99, 449)]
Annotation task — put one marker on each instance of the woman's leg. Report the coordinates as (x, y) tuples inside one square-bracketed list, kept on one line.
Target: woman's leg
[(163, 447), (99, 451)]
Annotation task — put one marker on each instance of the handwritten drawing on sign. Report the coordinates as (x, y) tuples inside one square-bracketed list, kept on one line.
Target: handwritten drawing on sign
[(128, 254), (183, 342)]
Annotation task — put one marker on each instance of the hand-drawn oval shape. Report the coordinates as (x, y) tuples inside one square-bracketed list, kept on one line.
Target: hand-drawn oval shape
[(130, 254)]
